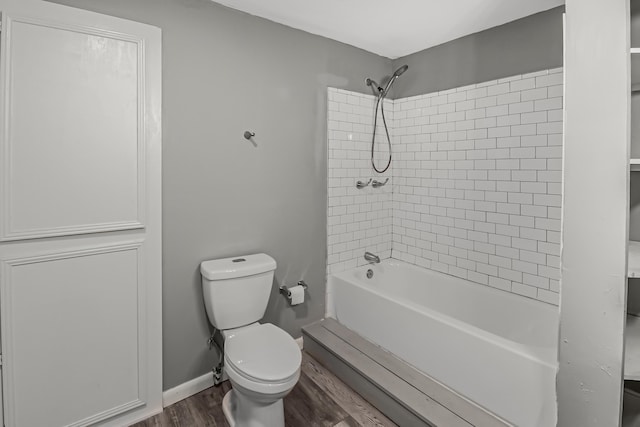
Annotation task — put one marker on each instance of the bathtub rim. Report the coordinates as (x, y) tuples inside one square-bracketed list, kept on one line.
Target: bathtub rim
[(523, 350)]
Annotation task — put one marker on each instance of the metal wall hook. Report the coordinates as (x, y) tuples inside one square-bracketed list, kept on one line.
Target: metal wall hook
[(360, 185), (249, 135), (377, 183)]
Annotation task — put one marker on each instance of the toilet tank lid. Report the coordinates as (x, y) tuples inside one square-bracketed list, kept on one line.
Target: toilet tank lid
[(238, 266)]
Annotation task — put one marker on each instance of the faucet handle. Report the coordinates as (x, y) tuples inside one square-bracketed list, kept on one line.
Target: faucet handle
[(377, 183), (360, 185)]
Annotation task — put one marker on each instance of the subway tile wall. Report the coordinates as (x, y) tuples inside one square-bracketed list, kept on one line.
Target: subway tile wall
[(476, 183), (358, 220)]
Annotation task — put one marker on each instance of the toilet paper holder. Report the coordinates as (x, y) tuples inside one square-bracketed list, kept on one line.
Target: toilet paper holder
[(287, 293)]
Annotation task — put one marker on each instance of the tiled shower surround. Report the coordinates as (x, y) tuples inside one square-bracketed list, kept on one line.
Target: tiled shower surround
[(476, 184), (358, 220)]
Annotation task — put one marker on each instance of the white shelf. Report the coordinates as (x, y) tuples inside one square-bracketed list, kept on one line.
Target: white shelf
[(635, 50), (634, 161), (634, 259), (632, 349)]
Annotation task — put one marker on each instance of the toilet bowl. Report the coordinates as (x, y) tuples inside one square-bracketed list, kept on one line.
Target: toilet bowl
[(263, 365), (261, 360)]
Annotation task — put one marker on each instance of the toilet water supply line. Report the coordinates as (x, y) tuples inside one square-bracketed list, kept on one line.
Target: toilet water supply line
[(217, 370)]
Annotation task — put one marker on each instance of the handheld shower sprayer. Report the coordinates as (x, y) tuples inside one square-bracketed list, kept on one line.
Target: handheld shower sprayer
[(394, 77), (382, 92)]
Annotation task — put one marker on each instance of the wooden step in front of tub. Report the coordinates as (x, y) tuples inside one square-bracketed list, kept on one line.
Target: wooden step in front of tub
[(404, 394)]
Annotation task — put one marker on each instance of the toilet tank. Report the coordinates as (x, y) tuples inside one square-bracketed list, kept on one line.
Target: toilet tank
[(236, 290)]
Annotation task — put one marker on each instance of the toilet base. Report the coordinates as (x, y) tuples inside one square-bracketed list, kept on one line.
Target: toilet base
[(243, 412), (229, 407)]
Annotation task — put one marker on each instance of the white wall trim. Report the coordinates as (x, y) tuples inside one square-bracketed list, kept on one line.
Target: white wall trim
[(300, 342), (594, 235), (184, 390)]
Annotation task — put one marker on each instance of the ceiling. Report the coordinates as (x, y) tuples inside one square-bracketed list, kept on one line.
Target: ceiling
[(392, 28)]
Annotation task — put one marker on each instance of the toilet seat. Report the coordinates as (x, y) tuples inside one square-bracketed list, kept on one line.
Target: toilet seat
[(262, 358)]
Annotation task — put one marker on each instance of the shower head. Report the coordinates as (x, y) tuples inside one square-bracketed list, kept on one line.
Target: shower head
[(400, 70), (397, 73)]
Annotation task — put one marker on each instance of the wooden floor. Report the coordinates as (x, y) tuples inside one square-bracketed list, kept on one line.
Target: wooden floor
[(318, 400)]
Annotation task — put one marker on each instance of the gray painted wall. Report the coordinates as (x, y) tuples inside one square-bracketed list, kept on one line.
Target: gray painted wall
[(225, 72), (529, 44), (595, 213)]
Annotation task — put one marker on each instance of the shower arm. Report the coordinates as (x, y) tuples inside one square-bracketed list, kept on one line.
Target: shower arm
[(375, 86)]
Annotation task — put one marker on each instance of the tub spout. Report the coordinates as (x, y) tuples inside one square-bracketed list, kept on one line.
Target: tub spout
[(371, 257)]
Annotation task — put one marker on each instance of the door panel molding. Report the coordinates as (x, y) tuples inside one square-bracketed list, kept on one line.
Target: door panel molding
[(7, 288), (8, 231), (109, 413)]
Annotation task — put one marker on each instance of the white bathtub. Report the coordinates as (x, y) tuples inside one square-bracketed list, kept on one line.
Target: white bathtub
[(495, 348)]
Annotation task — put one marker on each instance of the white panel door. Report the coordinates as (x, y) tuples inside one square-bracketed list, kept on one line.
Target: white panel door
[(80, 222)]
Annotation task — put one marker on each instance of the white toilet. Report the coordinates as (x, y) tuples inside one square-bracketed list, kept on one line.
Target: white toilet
[(261, 360)]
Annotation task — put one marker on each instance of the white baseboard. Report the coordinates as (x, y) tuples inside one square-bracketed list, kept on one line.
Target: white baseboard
[(187, 389), (300, 342)]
